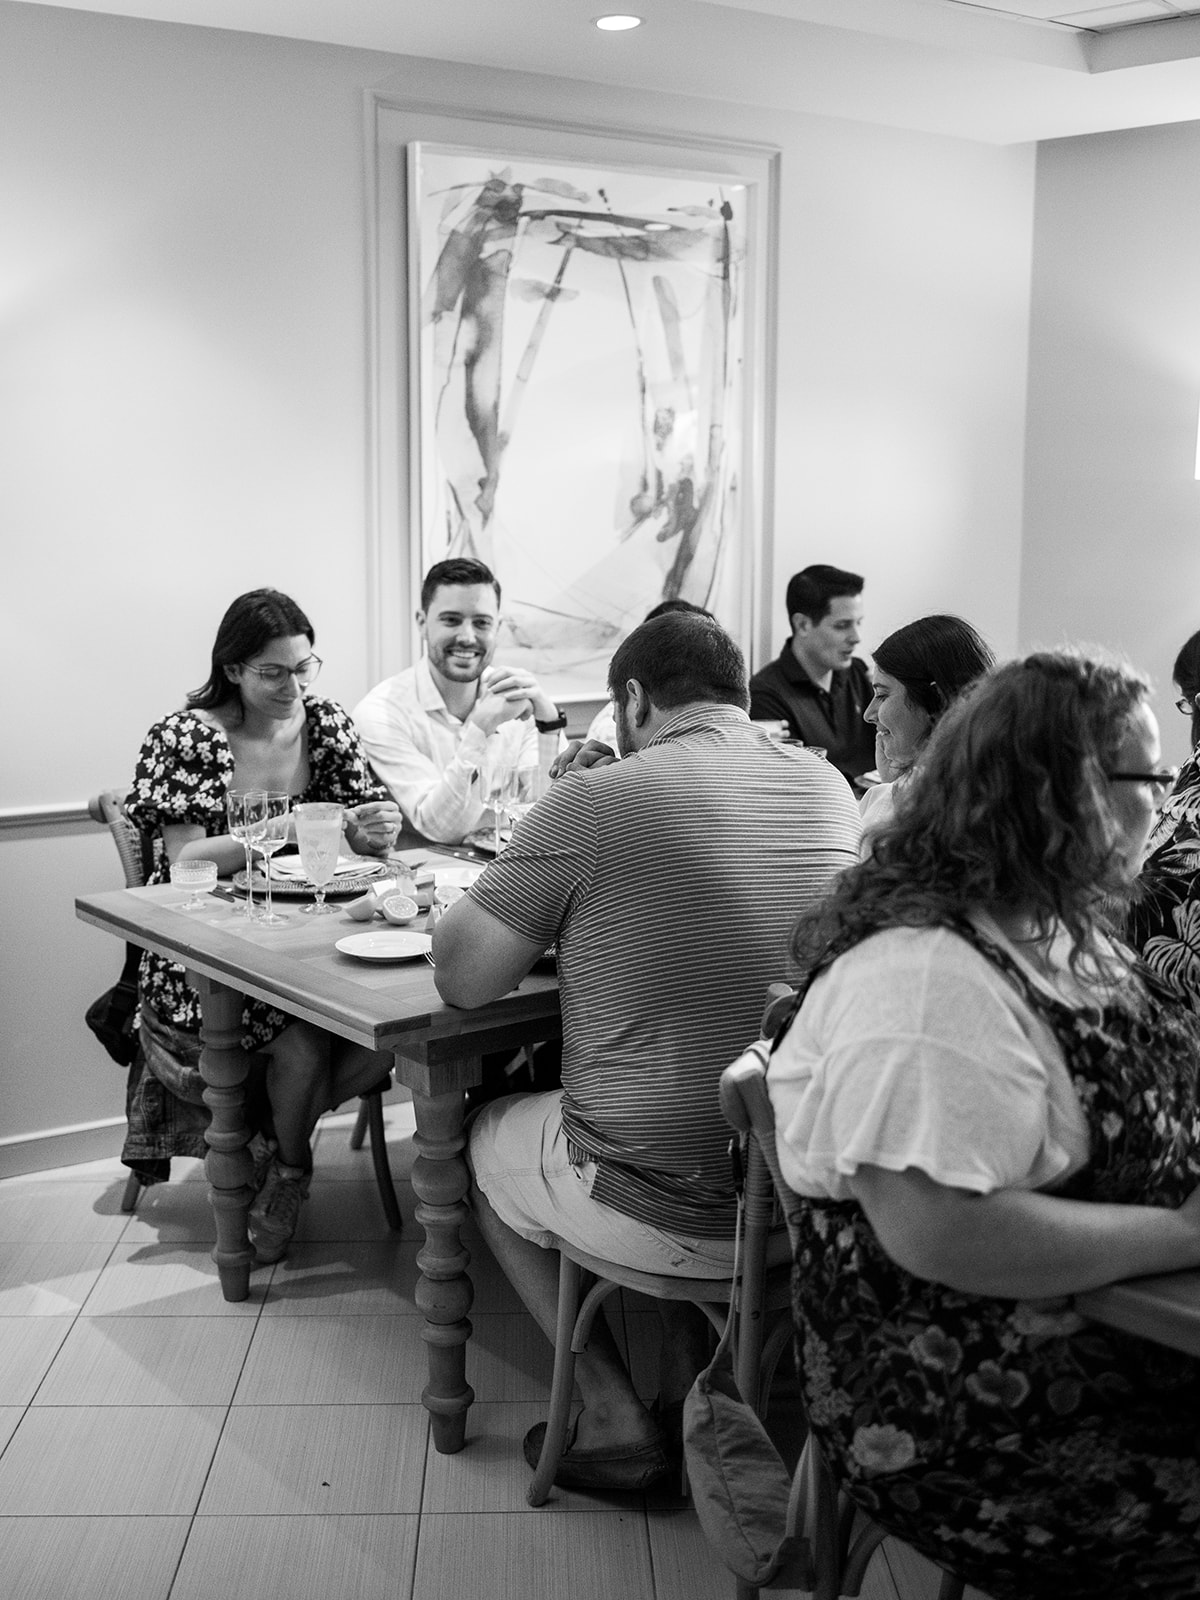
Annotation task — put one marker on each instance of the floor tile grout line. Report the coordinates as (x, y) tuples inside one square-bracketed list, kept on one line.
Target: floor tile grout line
[(195, 1513), (74, 1320), (429, 1445), (660, 1563)]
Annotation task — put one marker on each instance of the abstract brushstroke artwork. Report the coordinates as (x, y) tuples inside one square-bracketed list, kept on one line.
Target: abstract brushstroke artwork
[(579, 394)]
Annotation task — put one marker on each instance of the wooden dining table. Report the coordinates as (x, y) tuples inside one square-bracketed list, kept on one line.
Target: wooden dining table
[(391, 1007)]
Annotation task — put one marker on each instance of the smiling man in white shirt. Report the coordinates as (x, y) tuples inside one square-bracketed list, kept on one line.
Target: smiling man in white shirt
[(436, 732)]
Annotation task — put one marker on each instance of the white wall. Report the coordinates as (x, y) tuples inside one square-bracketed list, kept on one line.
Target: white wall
[(903, 336), (183, 381), (1112, 518)]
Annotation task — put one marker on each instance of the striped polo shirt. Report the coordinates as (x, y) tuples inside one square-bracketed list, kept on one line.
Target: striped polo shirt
[(670, 881)]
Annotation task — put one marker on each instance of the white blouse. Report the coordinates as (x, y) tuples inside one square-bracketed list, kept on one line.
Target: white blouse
[(912, 1050), (877, 807)]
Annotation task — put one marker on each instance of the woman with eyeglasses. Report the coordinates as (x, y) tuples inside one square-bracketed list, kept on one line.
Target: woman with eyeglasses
[(254, 724), (984, 1106), (916, 674), (1163, 920)]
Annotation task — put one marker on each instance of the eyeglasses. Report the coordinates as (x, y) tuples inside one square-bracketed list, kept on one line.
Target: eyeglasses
[(1187, 704), (275, 673), (1156, 780)]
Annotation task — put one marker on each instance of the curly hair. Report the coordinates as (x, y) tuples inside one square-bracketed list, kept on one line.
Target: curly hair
[(1008, 809)]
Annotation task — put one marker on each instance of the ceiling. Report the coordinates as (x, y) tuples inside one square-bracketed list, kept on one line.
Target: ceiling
[(1100, 15), (1001, 71)]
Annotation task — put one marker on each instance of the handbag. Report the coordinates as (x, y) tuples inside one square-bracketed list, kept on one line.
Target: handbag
[(110, 1016), (739, 1484)]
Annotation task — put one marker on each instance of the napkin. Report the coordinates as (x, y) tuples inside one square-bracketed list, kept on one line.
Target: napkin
[(291, 867)]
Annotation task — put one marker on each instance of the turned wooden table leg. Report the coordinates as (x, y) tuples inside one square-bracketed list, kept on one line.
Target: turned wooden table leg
[(440, 1180), (228, 1167)]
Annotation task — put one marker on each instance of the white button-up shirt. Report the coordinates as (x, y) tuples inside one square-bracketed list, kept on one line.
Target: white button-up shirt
[(437, 767)]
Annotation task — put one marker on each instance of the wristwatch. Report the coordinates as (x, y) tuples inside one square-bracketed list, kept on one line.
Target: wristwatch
[(551, 724)]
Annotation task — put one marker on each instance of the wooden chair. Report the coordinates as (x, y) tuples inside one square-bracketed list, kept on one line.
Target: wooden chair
[(831, 1541), (586, 1281), (136, 854)]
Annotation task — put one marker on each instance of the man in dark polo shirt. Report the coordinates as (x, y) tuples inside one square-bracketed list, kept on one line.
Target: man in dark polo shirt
[(668, 881), (817, 685)]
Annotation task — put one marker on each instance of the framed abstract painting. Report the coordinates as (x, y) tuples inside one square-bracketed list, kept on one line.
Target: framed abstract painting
[(585, 359)]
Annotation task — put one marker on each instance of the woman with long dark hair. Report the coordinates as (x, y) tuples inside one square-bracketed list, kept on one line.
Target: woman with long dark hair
[(253, 724), (916, 675), (986, 1106)]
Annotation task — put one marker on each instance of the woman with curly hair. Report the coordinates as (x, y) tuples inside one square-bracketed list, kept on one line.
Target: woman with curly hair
[(986, 1106)]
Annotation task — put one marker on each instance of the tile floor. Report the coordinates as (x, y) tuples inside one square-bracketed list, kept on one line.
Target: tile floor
[(157, 1443)]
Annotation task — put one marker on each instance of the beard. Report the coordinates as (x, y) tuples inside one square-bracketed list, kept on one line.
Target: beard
[(459, 664)]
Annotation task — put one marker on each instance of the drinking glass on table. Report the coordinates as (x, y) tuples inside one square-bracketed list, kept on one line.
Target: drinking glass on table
[(527, 792), (273, 837), (246, 809), (502, 788), (198, 876), (319, 834)]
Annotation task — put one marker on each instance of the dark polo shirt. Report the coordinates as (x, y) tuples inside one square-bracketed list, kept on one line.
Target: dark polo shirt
[(832, 719)]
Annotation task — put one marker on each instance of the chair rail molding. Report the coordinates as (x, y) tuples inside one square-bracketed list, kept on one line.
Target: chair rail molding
[(71, 814)]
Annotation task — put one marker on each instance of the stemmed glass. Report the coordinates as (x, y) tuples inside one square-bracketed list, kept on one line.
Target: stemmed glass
[(200, 877), (245, 809), (319, 826), (526, 795), (502, 789), (273, 837)]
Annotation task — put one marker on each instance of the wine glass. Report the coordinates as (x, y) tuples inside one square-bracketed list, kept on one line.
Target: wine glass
[(273, 837), (319, 835), (198, 876), (527, 793), (244, 809), (502, 789)]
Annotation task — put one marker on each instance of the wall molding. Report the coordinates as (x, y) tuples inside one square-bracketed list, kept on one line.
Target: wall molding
[(44, 819), (61, 1147)]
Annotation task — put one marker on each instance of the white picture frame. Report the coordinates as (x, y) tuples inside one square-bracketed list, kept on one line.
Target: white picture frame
[(402, 504)]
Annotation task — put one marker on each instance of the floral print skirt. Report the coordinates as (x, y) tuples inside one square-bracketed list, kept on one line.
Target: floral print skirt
[(1038, 1456)]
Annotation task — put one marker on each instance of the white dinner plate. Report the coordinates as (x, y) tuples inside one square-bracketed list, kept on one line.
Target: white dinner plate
[(389, 944)]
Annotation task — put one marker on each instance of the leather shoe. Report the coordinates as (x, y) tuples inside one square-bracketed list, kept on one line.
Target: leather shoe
[(623, 1467)]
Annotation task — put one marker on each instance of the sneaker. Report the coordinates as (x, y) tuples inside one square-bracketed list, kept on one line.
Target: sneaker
[(274, 1215)]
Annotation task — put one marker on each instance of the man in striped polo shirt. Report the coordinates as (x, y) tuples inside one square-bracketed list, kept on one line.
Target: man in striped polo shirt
[(669, 881)]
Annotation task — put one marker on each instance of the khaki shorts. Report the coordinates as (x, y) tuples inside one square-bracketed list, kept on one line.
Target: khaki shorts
[(518, 1153)]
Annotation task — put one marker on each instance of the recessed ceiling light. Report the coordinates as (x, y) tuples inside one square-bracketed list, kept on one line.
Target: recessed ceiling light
[(617, 24)]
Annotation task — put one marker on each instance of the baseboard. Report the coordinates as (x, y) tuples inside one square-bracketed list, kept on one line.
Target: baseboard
[(61, 1147)]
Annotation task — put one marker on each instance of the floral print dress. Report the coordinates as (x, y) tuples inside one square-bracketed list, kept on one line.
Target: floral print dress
[(1037, 1455), (1163, 921), (183, 771)]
